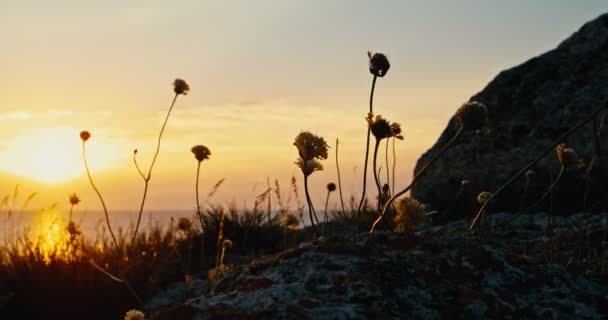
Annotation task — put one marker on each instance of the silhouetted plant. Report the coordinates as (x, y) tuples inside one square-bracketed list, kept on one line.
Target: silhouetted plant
[(331, 187), (339, 177), (557, 141), (85, 136), (74, 201), (179, 87), (134, 315), (470, 116), (310, 148), (378, 67), (201, 153), (410, 214)]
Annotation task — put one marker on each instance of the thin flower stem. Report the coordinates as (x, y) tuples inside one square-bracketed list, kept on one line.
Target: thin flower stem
[(199, 214), (149, 174), (388, 171), (376, 173), (416, 177), (550, 189), (71, 209), (371, 110), (141, 173), (533, 162), (310, 207), (103, 204), (325, 219), (339, 178)]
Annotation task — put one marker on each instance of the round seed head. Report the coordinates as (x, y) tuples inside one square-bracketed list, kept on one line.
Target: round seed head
[(378, 64), (472, 115), (380, 128), (311, 146), (201, 152), (85, 135), (74, 200), (134, 315), (180, 87), (396, 130), (331, 187), (411, 213), (290, 221)]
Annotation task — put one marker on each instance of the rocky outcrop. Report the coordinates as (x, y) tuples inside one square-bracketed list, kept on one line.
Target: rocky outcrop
[(522, 271), (529, 106)]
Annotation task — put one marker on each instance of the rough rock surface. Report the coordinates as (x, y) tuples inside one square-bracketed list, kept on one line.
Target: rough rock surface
[(529, 106), (512, 268)]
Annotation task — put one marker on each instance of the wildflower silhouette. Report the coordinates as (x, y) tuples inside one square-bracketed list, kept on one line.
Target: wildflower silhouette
[(310, 148), (470, 116), (567, 157), (339, 178), (378, 67), (331, 187), (74, 201), (179, 87), (396, 129), (557, 141), (85, 136), (410, 213), (201, 153), (381, 129)]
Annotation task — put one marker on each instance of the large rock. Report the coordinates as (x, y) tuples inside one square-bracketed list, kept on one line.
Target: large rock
[(529, 106), (522, 272)]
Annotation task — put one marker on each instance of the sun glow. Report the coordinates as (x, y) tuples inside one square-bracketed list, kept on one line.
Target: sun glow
[(54, 155)]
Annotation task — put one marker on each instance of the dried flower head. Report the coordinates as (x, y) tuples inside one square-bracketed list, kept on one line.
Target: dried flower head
[(310, 166), (472, 115), (73, 229), (134, 315), (566, 156), (411, 213), (290, 221), (483, 197), (201, 152), (184, 224), (378, 64), (311, 146), (85, 135), (396, 130), (74, 200), (226, 243), (331, 187), (180, 87), (380, 128)]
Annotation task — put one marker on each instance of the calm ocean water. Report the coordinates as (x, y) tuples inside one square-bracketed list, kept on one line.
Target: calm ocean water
[(92, 223)]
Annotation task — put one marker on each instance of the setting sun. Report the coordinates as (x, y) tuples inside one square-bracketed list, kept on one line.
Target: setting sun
[(53, 155)]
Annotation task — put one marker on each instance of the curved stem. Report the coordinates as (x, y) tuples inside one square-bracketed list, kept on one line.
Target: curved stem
[(537, 202), (325, 217), (141, 173), (310, 207), (200, 214), (371, 110), (533, 162), (103, 203), (339, 178), (416, 177), (376, 173), (148, 175)]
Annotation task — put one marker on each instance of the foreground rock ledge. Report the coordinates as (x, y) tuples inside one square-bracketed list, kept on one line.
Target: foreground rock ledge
[(521, 272)]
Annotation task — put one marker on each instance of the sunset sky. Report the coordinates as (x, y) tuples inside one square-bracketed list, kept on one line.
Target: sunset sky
[(259, 72)]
